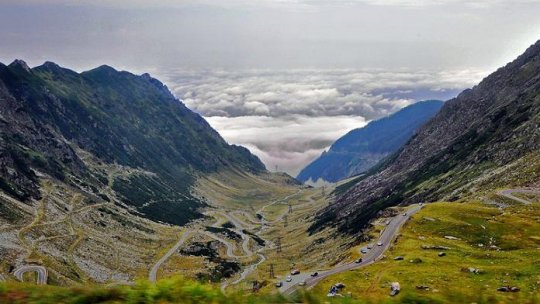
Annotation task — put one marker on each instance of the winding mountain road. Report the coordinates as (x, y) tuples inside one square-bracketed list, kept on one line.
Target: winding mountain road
[(153, 273), (508, 194), (239, 229), (40, 270), (245, 244), (373, 255)]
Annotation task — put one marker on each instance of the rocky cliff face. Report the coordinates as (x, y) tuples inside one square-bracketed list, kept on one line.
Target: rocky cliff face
[(70, 126), (485, 127), (361, 149)]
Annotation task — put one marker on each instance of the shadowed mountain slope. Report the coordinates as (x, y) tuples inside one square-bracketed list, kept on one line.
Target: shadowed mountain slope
[(484, 128), (362, 148), (67, 125)]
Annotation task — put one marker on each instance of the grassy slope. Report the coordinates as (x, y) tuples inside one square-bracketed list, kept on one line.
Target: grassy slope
[(515, 259), (232, 189), (174, 290)]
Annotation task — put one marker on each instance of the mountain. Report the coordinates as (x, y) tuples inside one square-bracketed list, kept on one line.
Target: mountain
[(362, 148), (481, 132), (83, 128)]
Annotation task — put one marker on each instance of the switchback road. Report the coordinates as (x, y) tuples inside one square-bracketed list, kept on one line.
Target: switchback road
[(40, 270)]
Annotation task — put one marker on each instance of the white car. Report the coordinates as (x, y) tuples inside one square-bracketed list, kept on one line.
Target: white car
[(303, 283), (405, 214), (379, 244), (289, 278), (363, 250), (369, 246)]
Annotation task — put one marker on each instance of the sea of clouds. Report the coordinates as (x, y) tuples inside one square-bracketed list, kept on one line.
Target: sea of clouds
[(288, 118)]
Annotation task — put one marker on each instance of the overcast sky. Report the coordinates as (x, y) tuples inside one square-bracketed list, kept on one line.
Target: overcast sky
[(283, 77)]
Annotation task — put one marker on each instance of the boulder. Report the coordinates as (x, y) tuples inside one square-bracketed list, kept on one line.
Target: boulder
[(395, 288)]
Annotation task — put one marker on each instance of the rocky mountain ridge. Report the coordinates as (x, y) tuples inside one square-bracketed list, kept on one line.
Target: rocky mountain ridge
[(65, 124), (484, 128)]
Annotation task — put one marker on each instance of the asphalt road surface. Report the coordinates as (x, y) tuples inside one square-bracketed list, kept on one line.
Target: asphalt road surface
[(508, 193), (368, 258), (40, 270), (153, 273)]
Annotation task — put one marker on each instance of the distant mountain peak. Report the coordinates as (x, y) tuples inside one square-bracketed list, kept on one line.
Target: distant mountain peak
[(18, 63), (50, 64), (103, 69)]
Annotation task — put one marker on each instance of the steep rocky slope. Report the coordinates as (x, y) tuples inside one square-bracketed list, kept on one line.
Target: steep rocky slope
[(362, 148), (67, 125), (484, 128)]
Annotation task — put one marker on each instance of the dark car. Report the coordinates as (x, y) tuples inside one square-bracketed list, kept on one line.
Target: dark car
[(340, 285), (314, 274)]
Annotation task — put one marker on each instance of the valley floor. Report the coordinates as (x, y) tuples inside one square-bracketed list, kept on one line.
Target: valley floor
[(254, 230), (254, 234)]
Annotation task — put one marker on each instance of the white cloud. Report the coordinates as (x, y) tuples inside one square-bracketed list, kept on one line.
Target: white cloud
[(290, 142), (366, 93), (289, 117)]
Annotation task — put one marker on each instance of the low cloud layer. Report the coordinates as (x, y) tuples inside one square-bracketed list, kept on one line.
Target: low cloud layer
[(367, 93), (288, 118), (288, 142)]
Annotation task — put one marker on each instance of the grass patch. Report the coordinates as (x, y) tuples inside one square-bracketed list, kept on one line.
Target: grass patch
[(503, 245)]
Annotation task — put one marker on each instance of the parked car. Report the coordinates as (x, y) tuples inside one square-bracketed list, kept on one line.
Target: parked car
[(303, 283), (295, 272), (358, 261), (315, 274), (279, 284), (369, 246), (363, 250), (289, 278), (379, 243), (405, 214)]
